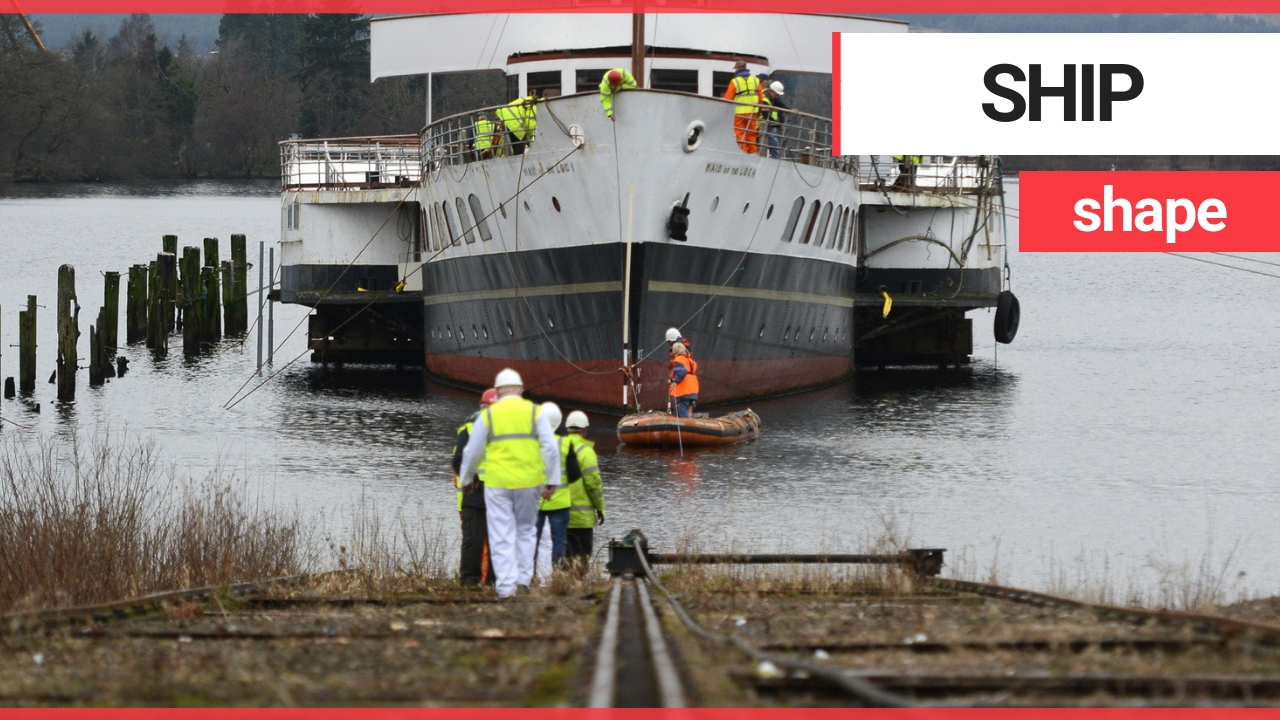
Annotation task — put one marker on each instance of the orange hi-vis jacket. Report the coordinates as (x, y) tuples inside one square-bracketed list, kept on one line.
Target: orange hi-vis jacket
[(689, 385)]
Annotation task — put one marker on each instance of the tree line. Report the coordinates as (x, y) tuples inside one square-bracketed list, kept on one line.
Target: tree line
[(128, 107)]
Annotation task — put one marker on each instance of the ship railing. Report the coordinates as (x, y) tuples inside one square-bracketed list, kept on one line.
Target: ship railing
[(350, 163), (795, 136), (928, 173)]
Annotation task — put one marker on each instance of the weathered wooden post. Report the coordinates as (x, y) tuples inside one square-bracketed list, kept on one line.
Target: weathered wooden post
[(212, 313), (208, 305), (95, 353), (228, 301), (192, 323), (240, 283), (169, 299), (108, 332), (68, 332), (157, 335), (27, 347), (136, 310)]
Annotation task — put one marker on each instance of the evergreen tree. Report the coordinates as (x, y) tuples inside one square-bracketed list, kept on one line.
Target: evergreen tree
[(334, 74)]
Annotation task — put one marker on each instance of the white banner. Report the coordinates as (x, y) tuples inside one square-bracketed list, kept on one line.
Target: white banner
[(1130, 94)]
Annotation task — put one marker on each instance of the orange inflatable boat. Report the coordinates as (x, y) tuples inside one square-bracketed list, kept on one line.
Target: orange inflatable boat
[(661, 429)]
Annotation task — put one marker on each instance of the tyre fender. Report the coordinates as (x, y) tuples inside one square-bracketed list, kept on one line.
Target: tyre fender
[(1008, 313)]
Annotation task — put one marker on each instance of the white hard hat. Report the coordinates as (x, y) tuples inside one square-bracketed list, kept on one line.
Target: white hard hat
[(552, 412), (508, 378), (777, 87), (673, 334), (577, 421)]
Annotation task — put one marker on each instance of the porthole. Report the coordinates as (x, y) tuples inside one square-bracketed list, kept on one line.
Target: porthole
[(475, 332), (462, 334), (551, 323), (449, 330), (761, 332), (693, 135), (745, 207), (811, 333), (555, 202), (837, 222), (790, 230), (811, 222), (526, 207), (825, 333), (485, 330), (715, 203), (720, 322), (465, 220), (482, 220), (510, 331), (768, 213), (786, 333)]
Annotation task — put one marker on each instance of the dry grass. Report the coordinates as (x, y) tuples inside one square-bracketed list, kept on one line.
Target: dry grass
[(105, 520)]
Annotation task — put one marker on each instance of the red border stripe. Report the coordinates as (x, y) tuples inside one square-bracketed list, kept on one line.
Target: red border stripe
[(835, 93)]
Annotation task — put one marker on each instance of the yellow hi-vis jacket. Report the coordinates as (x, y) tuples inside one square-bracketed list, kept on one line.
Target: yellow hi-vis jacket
[(520, 116), (744, 90), (512, 456), (487, 134), (561, 499), (464, 433), (915, 159), (607, 91), (588, 493)]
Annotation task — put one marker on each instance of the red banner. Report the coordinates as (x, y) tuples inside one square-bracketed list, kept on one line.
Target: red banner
[(1148, 212)]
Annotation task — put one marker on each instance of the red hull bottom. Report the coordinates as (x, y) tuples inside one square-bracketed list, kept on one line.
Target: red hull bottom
[(600, 384)]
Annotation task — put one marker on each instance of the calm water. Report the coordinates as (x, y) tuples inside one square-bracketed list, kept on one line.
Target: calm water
[(1130, 426)]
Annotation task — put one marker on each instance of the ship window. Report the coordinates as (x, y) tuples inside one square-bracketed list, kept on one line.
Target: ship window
[(720, 322), (437, 229), (555, 202), (475, 332), (853, 233), (715, 203), (485, 329), (526, 206), (551, 323), (823, 222), (589, 80), (513, 87), (509, 331), (542, 82), (811, 332), (837, 224), (502, 208), (768, 213), (455, 236), (465, 219), (677, 80), (848, 230), (790, 229), (842, 226), (482, 222), (720, 82), (744, 208), (761, 332), (813, 220)]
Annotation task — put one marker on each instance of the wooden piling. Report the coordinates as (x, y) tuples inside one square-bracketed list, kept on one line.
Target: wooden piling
[(228, 302), (27, 347), (175, 289), (95, 354), (108, 331), (239, 284), (192, 323), (212, 298), (156, 333), (68, 332), (172, 298), (135, 322)]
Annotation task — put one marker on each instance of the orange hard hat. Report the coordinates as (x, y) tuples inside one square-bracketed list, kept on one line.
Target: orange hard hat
[(614, 77), (489, 397)]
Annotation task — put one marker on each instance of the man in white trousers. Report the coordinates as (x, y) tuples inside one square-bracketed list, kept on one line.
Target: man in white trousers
[(522, 466), (546, 548)]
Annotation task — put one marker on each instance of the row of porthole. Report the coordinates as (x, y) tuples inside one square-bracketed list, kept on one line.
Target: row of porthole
[(446, 230), (475, 332)]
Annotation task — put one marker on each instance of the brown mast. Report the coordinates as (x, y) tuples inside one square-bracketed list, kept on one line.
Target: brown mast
[(637, 48)]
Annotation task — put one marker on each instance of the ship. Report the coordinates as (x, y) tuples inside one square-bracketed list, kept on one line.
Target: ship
[(569, 261)]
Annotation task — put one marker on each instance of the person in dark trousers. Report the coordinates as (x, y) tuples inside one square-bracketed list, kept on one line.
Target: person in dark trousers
[(578, 456), (774, 119), (474, 569)]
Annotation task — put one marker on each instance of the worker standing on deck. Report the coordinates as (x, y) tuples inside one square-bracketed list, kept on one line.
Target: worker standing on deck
[(520, 118), (907, 170), (744, 89), (775, 117), (674, 336), (488, 137), (578, 456), (521, 459), (684, 380), (613, 82), (553, 512), (474, 568)]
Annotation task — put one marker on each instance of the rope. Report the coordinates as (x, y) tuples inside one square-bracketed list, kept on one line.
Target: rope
[(237, 400), (1247, 259), (1229, 267), (857, 687)]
